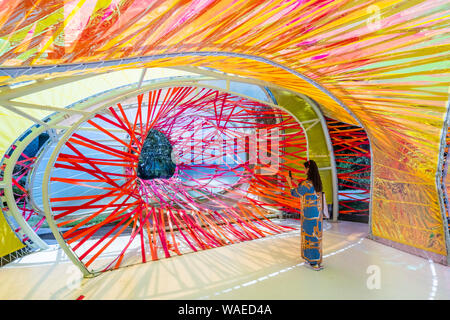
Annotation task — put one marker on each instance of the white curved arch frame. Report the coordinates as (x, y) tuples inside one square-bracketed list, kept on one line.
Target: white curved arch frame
[(13, 210), (14, 72), (52, 123)]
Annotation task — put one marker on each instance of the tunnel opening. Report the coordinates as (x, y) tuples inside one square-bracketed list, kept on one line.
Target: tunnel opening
[(155, 161)]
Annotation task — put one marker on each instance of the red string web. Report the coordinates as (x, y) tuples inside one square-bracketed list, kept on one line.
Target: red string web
[(221, 192), (352, 155)]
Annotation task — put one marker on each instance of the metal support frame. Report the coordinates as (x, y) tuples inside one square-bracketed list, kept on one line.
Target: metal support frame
[(314, 122), (320, 116), (141, 79), (99, 108), (10, 107), (10, 257), (320, 119)]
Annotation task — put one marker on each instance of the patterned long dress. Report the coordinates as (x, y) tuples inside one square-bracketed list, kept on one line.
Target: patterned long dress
[(311, 234)]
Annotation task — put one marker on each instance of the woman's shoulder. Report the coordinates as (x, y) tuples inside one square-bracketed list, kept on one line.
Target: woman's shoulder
[(306, 183)]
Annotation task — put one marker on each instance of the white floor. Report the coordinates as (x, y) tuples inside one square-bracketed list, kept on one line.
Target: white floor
[(268, 268)]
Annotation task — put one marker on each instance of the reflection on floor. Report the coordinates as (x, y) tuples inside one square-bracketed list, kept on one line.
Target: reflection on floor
[(268, 268)]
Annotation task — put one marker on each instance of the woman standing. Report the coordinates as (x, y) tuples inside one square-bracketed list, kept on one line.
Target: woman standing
[(308, 191)]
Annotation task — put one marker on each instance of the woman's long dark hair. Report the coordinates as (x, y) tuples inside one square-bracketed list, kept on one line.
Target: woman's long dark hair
[(313, 175)]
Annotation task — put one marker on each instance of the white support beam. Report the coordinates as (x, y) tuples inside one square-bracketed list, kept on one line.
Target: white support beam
[(141, 79), (39, 85), (8, 106), (41, 107), (8, 191)]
